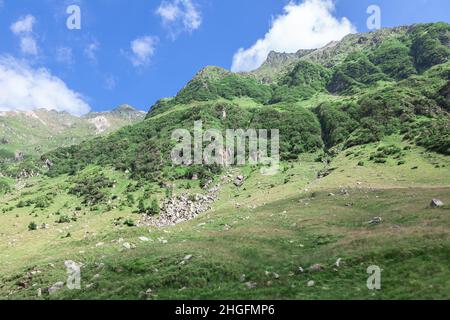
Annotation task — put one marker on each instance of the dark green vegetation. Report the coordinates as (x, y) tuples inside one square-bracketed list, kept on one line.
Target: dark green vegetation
[(365, 133)]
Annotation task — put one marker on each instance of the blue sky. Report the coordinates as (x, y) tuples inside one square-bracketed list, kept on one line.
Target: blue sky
[(138, 51)]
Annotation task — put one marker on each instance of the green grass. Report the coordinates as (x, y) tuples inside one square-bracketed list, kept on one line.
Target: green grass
[(269, 225)]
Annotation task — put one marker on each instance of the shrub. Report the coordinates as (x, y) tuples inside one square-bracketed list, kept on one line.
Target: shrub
[(393, 58), (32, 226), (92, 189), (154, 207), (129, 223), (64, 219)]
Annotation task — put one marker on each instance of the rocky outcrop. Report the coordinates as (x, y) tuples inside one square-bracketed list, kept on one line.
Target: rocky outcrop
[(182, 208)]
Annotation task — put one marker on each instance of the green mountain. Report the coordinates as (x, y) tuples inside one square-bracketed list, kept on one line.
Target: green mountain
[(363, 181), (31, 133), (346, 97)]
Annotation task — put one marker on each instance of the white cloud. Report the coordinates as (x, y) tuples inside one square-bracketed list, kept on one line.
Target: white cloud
[(179, 15), (25, 88), (91, 50), (142, 50), (64, 55), (306, 25), (28, 45), (23, 25), (23, 28)]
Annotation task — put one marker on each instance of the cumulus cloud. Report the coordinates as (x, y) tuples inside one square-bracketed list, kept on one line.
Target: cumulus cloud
[(306, 25), (23, 28), (23, 87), (142, 49), (179, 15)]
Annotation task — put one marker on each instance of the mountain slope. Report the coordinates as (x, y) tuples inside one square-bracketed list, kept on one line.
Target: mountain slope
[(32, 133), (306, 105), (363, 182)]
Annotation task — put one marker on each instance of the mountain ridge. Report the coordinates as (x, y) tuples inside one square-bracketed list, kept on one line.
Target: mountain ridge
[(33, 132)]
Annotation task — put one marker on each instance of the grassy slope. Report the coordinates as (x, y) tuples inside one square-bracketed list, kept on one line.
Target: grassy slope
[(277, 227)]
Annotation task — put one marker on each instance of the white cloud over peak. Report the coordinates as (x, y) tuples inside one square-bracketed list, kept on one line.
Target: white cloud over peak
[(142, 50), (25, 88), (23, 28), (179, 15), (306, 25)]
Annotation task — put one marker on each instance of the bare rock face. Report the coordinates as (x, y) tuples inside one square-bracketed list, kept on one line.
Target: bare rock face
[(101, 124)]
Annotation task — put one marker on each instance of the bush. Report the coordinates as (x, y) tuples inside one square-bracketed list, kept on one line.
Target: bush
[(430, 45), (92, 189), (393, 58), (32, 226), (129, 223), (64, 219), (356, 72), (4, 186), (154, 207)]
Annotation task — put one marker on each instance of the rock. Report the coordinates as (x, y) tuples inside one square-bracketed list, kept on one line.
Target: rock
[(331, 194), (56, 287), (144, 239), (72, 266), (129, 246), (375, 221), (301, 270), (48, 163), (436, 203), (149, 293), (39, 292), (239, 181), (316, 267), (311, 283), (251, 285), (188, 257), (99, 244)]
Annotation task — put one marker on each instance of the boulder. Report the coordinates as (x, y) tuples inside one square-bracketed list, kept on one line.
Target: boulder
[(56, 287), (316, 267), (436, 203), (239, 181)]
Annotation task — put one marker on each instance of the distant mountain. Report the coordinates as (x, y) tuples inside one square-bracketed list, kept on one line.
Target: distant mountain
[(24, 133)]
